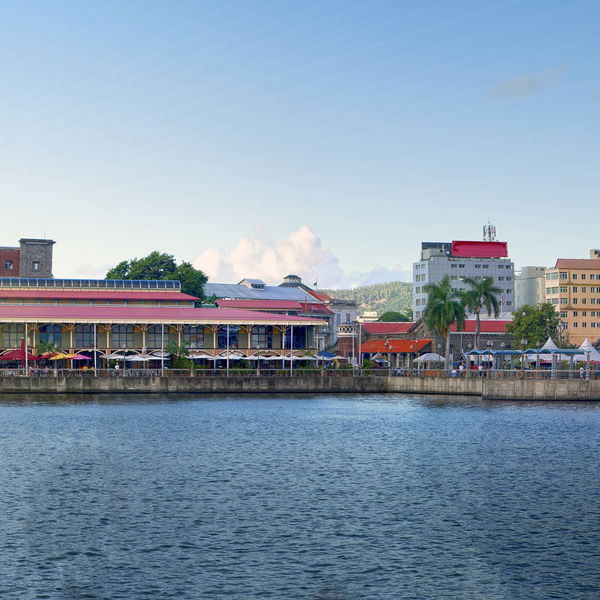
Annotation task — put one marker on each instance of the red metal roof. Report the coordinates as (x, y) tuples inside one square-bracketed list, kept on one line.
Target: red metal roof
[(393, 346), (296, 305), (322, 296), (96, 295), (144, 314), (479, 249), (387, 328), (486, 326), (578, 263)]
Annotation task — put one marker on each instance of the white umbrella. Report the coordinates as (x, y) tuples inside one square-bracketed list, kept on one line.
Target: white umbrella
[(430, 357)]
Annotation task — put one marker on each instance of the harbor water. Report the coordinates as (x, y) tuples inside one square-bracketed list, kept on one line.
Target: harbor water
[(307, 497)]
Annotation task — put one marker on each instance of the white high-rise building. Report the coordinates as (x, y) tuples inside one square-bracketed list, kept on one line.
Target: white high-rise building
[(459, 259)]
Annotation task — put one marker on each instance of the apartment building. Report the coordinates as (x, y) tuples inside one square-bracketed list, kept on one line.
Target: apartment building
[(573, 288), (459, 259)]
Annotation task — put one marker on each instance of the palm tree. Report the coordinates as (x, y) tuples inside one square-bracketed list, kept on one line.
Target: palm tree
[(483, 293), (444, 307), (180, 354)]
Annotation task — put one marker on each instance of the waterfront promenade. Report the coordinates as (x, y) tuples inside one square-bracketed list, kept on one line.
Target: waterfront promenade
[(340, 382)]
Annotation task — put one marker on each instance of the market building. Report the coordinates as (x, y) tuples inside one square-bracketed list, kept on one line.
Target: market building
[(104, 316)]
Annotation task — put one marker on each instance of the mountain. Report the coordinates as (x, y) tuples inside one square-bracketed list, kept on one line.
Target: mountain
[(393, 295)]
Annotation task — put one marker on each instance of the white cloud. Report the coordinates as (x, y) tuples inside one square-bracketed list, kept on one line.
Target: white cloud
[(527, 84), (301, 253)]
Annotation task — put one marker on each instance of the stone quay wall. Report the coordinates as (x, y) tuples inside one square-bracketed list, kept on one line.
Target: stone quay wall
[(487, 389)]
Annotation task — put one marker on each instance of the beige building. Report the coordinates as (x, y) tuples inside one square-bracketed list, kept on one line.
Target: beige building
[(573, 288)]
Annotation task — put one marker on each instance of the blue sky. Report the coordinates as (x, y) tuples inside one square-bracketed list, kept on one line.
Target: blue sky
[(329, 138)]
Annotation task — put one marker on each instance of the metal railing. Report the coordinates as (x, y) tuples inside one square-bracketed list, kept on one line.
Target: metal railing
[(589, 374)]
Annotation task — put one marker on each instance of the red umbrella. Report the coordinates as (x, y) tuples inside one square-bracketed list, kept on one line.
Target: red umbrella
[(19, 354)]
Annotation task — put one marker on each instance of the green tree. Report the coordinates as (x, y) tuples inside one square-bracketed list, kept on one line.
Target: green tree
[(161, 266), (535, 324), (393, 316), (444, 307), (482, 293), (44, 347), (180, 354)]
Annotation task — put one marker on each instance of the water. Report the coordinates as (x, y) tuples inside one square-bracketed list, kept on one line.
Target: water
[(330, 498)]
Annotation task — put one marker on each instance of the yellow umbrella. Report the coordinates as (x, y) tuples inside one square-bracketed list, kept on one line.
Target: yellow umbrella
[(61, 356)]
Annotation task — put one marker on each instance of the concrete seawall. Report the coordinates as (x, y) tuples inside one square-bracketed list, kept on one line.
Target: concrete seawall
[(488, 389)]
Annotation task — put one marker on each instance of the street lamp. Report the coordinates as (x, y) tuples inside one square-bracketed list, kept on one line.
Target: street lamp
[(388, 344)]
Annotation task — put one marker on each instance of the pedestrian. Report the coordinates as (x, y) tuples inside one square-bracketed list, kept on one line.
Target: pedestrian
[(581, 372)]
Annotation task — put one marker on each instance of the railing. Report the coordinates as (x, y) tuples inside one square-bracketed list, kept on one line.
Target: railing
[(591, 374)]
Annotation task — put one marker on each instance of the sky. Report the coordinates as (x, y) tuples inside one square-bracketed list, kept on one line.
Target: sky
[(326, 139)]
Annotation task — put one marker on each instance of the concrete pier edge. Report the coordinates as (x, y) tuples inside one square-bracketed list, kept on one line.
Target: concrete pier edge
[(487, 389)]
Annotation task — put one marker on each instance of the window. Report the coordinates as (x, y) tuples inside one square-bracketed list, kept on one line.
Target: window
[(478, 266), (563, 300), (574, 300), (8, 265), (574, 289), (575, 324), (574, 276), (548, 291), (122, 336), (583, 289), (563, 314), (348, 318), (453, 266), (485, 266), (575, 313), (554, 301), (51, 334), (12, 334), (233, 337), (509, 303), (593, 300), (584, 313), (583, 276), (299, 337), (84, 336), (592, 276), (262, 336), (554, 290), (35, 265), (583, 324), (461, 266), (500, 278), (154, 336), (194, 335), (563, 275), (563, 289)]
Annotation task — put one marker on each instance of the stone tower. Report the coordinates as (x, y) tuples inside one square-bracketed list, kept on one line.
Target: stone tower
[(35, 258)]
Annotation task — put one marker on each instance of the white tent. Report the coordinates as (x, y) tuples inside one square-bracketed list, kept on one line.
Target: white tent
[(430, 357), (586, 348)]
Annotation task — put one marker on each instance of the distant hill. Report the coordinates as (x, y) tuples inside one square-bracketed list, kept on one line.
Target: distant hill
[(393, 295)]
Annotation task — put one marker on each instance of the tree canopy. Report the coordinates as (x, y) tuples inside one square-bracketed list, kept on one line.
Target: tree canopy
[(535, 324), (393, 316), (481, 293), (162, 266), (444, 307)]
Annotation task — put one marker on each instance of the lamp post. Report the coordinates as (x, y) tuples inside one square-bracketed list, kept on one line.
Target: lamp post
[(523, 346), (387, 345)]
